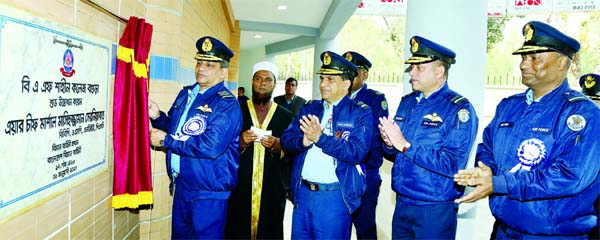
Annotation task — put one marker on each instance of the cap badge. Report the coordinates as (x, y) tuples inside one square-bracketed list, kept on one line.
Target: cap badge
[(589, 82), (414, 45), (207, 45), (348, 56), (326, 58), (528, 32)]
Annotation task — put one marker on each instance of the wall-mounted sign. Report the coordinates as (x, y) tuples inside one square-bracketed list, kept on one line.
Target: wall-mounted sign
[(53, 108)]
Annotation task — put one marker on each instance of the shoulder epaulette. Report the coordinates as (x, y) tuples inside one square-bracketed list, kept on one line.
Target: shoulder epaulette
[(407, 95), (575, 97), (378, 92), (225, 94), (458, 99)]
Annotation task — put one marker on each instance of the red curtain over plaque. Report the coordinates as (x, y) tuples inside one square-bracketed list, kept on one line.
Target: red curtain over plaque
[(132, 184)]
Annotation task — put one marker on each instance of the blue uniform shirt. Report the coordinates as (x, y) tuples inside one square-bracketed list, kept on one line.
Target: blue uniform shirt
[(192, 93), (352, 128), (441, 130), (376, 100), (208, 143), (318, 166), (544, 157)]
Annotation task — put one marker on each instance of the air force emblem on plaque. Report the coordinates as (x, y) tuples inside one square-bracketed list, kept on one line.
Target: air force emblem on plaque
[(67, 69)]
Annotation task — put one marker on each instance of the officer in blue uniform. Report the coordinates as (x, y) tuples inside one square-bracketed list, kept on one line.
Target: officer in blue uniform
[(331, 139), (364, 217), (431, 137), (590, 86), (201, 136), (538, 161)]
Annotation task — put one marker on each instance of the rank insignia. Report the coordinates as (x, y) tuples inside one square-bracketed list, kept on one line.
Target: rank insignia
[(576, 122), (463, 115), (433, 117), (205, 108)]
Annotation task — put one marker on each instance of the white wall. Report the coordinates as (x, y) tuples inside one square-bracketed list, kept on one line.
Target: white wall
[(247, 59)]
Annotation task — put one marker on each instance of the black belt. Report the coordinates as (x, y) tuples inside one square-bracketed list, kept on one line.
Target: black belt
[(321, 186)]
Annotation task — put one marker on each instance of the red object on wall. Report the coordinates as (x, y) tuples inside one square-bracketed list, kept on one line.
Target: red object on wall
[(132, 184)]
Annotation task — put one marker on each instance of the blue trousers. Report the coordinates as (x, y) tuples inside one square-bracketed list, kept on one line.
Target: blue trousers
[(437, 221), (198, 219), (364, 217), (320, 215), (504, 232)]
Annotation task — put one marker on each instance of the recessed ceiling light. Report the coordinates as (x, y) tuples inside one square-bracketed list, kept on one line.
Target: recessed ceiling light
[(257, 36), (281, 7)]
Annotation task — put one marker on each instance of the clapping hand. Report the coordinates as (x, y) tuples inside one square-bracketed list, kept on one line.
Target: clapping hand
[(479, 177), (391, 133), (311, 127)]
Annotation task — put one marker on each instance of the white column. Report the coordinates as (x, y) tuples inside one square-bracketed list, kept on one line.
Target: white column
[(321, 45), (460, 25)]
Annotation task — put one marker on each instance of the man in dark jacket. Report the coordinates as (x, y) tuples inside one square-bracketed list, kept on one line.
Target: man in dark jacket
[(331, 139), (290, 100)]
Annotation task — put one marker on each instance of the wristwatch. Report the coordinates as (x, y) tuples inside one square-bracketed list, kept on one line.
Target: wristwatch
[(162, 143), (405, 147)]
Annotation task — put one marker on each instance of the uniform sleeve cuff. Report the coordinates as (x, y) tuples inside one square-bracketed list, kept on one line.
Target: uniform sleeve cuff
[(168, 141), (321, 141), (411, 152), (499, 184)]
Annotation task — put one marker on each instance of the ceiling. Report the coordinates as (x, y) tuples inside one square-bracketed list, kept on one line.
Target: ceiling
[(302, 18)]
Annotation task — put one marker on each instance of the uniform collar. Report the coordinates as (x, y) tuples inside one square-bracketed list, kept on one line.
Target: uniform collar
[(355, 93), (194, 90), (211, 90), (550, 95), (333, 104), (434, 94)]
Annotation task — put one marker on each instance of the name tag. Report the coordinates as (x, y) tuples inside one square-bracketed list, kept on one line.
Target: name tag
[(541, 130), (399, 118), (345, 125), (505, 125), (431, 124)]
